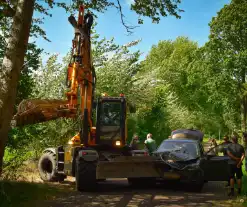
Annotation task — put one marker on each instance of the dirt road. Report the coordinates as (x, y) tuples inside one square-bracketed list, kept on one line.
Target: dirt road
[(117, 193)]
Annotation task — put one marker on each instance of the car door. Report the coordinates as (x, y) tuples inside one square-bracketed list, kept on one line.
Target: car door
[(215, 165)]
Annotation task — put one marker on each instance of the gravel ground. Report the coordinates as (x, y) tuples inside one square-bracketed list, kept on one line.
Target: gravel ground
[(117, 193)]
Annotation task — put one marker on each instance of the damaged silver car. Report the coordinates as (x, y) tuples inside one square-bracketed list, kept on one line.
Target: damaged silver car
[(183, 158)]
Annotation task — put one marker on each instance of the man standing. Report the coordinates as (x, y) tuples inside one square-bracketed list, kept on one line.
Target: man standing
[(150, 143), (134, 144), (224, 150), (225, 144), (235, 152)]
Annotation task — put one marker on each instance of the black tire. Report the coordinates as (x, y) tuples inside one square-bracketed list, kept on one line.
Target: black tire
[(85, 175), (47, 168)]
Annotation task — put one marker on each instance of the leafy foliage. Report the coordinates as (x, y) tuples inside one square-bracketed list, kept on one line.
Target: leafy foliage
[(155, 9), (149, 9), (226, 52), (182, 73)]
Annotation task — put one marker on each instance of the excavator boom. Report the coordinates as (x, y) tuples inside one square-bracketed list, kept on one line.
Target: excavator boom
[(80, 81)]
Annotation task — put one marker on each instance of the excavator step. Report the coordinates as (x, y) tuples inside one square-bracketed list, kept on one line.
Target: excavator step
[(60, 166)]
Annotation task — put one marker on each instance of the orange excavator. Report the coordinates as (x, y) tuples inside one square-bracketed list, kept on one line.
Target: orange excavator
[(99, 150)]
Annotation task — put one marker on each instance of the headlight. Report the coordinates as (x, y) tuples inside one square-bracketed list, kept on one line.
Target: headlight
[(118, 143)]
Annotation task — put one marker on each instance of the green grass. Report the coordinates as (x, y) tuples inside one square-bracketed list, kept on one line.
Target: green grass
[(243, 197), (244, 186), (20, 194)]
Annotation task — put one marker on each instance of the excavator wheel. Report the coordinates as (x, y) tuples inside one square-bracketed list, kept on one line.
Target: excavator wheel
[(47, 168), (85, 175)]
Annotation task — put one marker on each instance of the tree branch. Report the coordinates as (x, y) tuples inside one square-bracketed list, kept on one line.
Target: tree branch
[(128, 28), (7, 12), (6, 9)]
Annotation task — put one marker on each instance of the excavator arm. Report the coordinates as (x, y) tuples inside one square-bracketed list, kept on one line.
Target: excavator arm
[(81, 73), (81, 81)]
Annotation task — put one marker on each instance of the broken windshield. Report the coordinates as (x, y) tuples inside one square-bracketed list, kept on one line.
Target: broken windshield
[(189, 150)]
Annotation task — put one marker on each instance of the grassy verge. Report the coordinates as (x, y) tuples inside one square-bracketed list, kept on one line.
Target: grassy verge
[(20, 194), (243, 198), (24, 188)]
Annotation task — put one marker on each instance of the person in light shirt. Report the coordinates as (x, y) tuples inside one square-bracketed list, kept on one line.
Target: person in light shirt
[(150, 143)]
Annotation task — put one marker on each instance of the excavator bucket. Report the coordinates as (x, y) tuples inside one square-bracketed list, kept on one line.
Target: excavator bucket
[(34, 111)]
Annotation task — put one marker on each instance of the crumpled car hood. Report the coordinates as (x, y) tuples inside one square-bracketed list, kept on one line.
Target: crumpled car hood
[(177, 160), (176, 156)]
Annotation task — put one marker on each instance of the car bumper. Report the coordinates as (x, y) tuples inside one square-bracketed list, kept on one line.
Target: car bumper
[(186, 175)]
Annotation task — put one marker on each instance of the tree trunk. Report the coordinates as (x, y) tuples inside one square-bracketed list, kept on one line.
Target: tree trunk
[(11, 67)]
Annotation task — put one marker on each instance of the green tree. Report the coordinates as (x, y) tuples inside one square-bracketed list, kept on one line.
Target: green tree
[(227, 54), (12, 63), (179, 69)]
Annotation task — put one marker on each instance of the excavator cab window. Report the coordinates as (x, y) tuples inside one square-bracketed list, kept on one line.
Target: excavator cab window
[(111, 120), (110, 114)]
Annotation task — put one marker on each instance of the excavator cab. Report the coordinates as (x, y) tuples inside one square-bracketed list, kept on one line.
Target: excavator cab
[(111, 121)]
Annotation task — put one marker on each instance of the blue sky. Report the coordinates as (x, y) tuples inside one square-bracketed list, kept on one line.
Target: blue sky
[(193, 24)]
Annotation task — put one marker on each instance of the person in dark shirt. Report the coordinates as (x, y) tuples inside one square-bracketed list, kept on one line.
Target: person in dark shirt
[(235, 152), (226, 142), (134, 144)]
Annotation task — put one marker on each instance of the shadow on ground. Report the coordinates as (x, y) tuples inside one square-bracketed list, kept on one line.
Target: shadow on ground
[(117, 193), (21, 193)]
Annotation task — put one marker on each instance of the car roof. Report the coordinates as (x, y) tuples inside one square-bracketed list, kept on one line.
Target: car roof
[(181, 140)]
